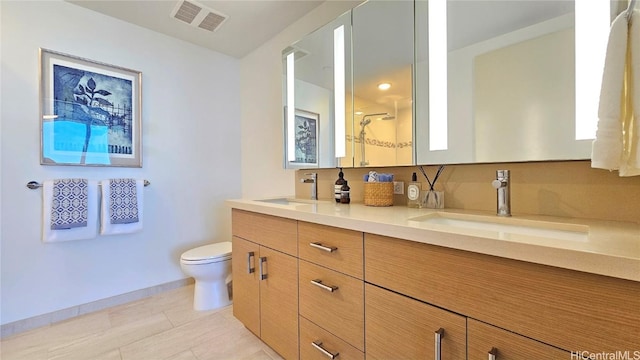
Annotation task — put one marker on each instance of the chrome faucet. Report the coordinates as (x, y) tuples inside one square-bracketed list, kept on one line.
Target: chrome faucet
[(501, 183), (313, 180)]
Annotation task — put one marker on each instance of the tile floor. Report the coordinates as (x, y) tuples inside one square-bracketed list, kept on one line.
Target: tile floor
[(160, 327)]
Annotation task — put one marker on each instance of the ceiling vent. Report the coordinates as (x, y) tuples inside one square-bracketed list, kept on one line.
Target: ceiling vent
[(198, 15), (299, 53)]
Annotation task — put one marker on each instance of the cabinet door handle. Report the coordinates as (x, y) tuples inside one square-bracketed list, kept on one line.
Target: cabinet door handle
[(318, 345), (492, 353), (250, 269), (318, 245), (329, 288), (439, 336), (263, 259)]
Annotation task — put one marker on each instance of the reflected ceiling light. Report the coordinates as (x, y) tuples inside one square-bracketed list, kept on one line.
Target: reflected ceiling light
[(592, 33), (339, 91), (438, 75), (384, 86), (49, 117), (358, 113)]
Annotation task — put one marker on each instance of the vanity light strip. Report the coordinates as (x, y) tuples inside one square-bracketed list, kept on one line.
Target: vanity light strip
[(438, 75), (339, 92), (291, 108)]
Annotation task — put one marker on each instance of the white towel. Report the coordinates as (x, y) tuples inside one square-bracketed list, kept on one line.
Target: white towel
[(630, 164), (79, 233), (106, 227), (610, 149)]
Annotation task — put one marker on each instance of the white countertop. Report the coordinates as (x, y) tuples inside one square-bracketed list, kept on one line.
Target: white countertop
[(607, 248)]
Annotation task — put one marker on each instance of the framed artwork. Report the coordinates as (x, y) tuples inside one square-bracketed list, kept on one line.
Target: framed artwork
[(90, 112), (306, 138)]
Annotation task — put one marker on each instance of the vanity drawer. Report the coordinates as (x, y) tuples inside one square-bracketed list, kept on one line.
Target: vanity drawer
[(568, 309), (311, 333), (271, 231), (332, 247), (341, 311), (483, 338)]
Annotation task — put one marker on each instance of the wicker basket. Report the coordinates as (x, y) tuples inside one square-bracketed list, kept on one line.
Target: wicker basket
[(378, 193)]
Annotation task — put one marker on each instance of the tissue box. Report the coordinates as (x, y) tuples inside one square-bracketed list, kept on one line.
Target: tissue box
[(378, 193)]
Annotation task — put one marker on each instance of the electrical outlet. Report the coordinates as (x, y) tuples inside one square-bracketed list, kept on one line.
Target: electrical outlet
[(398, 187)]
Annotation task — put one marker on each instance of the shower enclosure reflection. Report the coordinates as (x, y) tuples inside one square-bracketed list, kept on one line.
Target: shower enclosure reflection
[(382, 83), (366, 120)]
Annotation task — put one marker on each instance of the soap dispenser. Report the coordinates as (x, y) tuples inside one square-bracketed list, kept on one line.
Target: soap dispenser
[(344, 193), (413, 192), (338, 186)]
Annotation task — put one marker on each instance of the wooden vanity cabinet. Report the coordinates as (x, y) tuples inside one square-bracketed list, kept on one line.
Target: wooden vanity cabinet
[(484, 339), (570, 310), (265, 279), (398, 327), (331, 289)]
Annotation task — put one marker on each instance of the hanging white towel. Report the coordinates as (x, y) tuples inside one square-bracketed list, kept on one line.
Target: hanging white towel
[(77, 233), (106, 226), (630, 163), (616, 143)]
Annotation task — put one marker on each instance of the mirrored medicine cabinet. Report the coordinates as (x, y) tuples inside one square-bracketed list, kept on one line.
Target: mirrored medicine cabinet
[(497, 81)]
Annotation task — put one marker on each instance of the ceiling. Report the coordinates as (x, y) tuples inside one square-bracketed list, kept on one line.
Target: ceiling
[(249, 24)]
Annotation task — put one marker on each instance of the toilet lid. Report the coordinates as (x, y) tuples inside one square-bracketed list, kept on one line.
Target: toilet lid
[(217, 251)]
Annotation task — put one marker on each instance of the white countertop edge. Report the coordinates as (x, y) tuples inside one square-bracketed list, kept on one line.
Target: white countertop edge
[(590, 262)]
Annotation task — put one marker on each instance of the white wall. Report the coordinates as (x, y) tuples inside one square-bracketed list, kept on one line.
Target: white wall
[(191, 134), (262, 113)]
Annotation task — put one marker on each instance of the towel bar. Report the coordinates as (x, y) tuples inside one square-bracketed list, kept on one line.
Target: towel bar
[(34, 184)]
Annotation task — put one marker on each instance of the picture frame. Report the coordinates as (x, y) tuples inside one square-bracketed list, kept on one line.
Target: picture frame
[(90, 112), (306, 127)]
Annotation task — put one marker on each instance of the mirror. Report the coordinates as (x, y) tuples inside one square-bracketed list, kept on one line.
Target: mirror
[(511, 75), (309, 97), (383, 54), (378, 128)]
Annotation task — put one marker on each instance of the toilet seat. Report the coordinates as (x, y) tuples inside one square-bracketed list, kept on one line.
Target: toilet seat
[(207, 254)]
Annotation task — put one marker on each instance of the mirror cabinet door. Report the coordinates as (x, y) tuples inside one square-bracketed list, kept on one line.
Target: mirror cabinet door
[(383, 54), (511, 75), (314, 106)]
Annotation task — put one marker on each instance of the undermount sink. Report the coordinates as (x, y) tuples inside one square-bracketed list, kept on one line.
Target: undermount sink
[(285, 201), (503, 226)]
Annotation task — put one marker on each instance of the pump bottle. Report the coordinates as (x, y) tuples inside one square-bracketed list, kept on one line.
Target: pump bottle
[(338, 186), (413, 192)]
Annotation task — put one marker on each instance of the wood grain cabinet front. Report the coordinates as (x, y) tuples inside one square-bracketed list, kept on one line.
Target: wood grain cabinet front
[(333, 301), (398, 327), (265, 295), (265, 279), (271, 231), (567, 309), (489, 342), (338, 249), (318, 344)]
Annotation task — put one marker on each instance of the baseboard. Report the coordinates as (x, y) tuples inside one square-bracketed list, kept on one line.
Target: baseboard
[(20, 326)]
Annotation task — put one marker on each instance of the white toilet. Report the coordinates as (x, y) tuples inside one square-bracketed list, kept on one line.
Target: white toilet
[(210, 266)]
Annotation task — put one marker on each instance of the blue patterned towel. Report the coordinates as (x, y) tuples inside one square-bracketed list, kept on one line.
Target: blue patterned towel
[(123, 201), (69, 208)]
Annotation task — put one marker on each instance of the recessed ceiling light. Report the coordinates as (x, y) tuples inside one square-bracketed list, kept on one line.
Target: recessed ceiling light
[(384, 86)]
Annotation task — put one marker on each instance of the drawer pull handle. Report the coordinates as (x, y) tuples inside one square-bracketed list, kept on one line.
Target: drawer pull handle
[(263, 259), (318, 245), (492, 353), (329, 288), (250, 269), (318, 345), (439, 336)]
